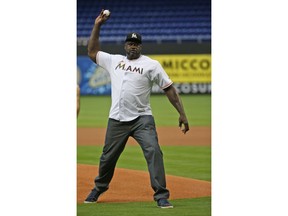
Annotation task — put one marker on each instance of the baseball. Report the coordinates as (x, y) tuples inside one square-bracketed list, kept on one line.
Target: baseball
[(106, 12)]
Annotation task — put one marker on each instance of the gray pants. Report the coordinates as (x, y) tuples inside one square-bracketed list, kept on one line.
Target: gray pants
[(143, 130)]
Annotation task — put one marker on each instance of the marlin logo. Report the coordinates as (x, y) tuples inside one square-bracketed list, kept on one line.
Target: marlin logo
[(134, 35), (122, 65)]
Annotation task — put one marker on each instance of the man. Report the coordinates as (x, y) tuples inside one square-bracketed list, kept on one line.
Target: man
[(130, 114)]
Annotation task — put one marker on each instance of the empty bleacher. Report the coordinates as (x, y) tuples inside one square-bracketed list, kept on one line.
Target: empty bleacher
[(157, 20)]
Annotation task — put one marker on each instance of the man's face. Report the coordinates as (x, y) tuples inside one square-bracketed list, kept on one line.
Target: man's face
[(133, 49)]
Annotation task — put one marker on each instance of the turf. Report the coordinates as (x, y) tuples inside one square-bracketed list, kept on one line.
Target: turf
[(186, 161), (183, 207), (95, 110)]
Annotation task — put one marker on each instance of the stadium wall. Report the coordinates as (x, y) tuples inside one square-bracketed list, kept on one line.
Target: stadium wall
[(187, 64)]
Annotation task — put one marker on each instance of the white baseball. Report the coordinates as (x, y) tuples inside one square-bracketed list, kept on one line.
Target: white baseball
[(106, 12)]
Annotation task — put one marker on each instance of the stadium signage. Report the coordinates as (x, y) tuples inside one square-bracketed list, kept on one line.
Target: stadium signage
[(186, 68)]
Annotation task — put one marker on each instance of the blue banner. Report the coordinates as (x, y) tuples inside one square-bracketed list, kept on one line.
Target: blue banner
[(92, 79)]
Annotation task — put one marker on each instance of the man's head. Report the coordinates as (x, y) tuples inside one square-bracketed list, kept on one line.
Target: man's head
[(133, 45)]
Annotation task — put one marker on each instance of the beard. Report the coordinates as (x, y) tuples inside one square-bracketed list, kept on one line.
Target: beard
[(133, 54)]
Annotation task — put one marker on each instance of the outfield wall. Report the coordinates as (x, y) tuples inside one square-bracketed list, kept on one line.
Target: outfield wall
[(188, 65)]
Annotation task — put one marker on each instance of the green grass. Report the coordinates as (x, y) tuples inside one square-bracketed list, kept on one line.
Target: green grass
[(95, 110), (182, 207), (197, 108), (185, 161)]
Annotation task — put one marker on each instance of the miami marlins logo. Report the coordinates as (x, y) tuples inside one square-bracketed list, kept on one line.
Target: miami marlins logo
[(121, 65), (134, 35)]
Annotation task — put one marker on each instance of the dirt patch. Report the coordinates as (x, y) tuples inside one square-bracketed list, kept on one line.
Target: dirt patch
[(131, 185), (199, 136)]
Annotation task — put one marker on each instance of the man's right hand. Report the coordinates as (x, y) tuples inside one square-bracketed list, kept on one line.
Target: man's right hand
[(102, 18)]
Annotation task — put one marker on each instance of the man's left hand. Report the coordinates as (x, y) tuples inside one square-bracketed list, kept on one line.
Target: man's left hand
[(183, 120)]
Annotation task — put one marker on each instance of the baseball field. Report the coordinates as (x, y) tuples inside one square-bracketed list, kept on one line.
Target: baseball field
[(187, 160)]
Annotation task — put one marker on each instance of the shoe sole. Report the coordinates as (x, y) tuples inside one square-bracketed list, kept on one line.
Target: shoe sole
[(90, 202), (165, 207)]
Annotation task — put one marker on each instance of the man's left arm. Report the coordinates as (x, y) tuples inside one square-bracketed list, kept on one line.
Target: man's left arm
[(175, 100)]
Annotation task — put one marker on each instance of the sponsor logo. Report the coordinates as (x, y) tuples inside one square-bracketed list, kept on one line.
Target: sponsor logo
[(187, 88)]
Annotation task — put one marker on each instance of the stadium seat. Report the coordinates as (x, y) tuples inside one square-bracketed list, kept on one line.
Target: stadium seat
[(156, 20)]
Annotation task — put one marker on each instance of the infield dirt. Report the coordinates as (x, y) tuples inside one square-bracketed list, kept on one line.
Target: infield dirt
[(198, 136)]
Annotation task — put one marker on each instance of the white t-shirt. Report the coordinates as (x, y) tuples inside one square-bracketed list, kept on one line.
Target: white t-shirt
[(132, 82)]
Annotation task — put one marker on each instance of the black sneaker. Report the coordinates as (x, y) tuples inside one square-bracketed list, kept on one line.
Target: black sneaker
[(164, 203), (93, 196)]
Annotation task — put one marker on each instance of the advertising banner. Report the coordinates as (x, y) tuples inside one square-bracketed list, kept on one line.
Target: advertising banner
[(191, 74), (186, 68), (92, 79), (187, 88)]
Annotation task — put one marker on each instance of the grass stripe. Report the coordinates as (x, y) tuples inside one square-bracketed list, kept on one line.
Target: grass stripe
[(184, 207), (95, 110), (186, 161)]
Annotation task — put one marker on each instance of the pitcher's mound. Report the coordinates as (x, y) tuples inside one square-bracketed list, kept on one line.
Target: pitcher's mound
[(133, 185)]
